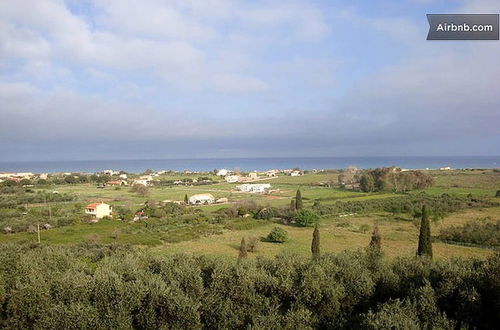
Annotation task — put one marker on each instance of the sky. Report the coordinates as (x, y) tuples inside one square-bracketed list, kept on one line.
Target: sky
[(152, 79)]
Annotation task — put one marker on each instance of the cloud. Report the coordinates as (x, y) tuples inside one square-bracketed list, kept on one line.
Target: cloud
[(158, 39), (235, 78)]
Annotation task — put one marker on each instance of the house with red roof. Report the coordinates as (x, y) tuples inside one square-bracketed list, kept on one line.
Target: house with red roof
[(99, 210)]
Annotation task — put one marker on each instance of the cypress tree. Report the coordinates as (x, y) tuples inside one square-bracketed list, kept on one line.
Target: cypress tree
[(243, 249), (298, 200), (186, 199), (376, 241), (424, 239), (315, 245), (498, 193)]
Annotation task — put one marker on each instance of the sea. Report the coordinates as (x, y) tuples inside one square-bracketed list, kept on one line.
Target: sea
[(251, 164)]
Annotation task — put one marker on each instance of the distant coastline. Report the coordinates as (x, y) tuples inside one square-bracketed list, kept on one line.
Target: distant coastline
[(250, 164)]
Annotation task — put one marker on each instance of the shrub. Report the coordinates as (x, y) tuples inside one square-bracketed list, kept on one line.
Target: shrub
[(92, 285), (473, 232), (265, 214), (277, 235), (306, 218), (364, 228), (252, 243)]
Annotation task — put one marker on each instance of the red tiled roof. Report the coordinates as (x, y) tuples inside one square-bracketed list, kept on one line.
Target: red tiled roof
[(92, 206)]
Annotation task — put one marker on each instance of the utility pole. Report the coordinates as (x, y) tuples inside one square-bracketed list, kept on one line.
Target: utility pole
[(38, 233)]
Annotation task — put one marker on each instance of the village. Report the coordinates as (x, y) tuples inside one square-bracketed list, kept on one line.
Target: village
[(240, 183)]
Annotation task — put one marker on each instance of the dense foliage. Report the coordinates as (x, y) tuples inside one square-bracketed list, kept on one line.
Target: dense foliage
[(409, 204), (12, 197), (393, 179), (474, 232), (115, 287), (306, 218)]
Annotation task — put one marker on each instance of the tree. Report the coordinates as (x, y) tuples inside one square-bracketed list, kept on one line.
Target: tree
[(306, 218), (277, 235), (292, 205), (243, 249), (315, 244), (366, 183), (140, 189), (498, 193), (70, 179), (298, 200), (25, 182), (424, 238), (186, 199), (376, 241), (341, 179)]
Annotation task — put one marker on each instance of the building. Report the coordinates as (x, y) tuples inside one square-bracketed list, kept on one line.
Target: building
[(123, 176), (295, 173), (254, 188), (99, 210), (272, 173), (253, 175), (222, 172), (201, 199), (117, 183), (232, 178), (142, 182)]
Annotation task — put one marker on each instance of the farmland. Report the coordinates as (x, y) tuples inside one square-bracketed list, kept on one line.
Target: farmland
[(203, 232)]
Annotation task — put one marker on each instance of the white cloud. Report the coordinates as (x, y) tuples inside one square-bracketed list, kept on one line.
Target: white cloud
[(152, 18)]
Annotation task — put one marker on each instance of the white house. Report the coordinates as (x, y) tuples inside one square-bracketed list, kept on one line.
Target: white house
[(271, 173), (253, 175), (296, 173), (99, 210), (254, 188), (201, 199), (222, 172), (123, 176), (232, 178), (142, 181)]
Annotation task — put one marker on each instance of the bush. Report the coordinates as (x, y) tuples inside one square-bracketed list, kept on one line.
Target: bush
[(473, 232), (277, 235), (91, 285), (306, 218), (265, 214), (252, 243)]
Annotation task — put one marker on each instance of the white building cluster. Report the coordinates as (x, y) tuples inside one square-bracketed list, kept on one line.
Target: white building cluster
[(254, 188)]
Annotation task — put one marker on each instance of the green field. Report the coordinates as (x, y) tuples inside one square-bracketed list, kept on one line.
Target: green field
[(212, 238)]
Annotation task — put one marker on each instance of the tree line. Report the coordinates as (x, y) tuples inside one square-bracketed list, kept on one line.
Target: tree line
[(119, 287)]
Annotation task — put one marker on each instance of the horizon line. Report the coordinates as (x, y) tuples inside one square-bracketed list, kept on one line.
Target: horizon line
[(223, 158)]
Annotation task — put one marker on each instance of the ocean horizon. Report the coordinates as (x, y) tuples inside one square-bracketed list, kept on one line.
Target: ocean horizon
[(250, 164)]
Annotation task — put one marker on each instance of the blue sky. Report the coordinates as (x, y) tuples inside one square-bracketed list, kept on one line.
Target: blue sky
[(124, 79)]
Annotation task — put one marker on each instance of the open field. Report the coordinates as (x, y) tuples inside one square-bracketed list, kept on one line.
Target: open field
[(339, 234), (201, 237)]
